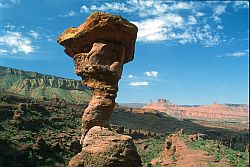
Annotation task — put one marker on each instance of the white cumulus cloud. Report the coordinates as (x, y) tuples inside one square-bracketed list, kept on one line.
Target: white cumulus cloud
[(151, 30), (84, 9), (15, 42), (151, 73), (172, 21)]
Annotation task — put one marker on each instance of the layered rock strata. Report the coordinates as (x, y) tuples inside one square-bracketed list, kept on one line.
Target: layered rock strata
[(100, 47)]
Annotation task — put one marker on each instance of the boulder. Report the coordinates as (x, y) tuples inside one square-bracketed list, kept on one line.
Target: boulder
[(105, 148)]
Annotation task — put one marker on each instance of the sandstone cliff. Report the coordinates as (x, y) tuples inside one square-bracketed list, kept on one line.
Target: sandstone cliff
[(222, 112)]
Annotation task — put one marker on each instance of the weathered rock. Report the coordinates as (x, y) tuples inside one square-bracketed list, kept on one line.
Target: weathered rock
[(103, 147), (100, 47), (100, 26), (76, 161)]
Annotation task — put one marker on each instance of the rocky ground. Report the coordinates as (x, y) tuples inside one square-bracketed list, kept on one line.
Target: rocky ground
[(47, 133), (194, 150)]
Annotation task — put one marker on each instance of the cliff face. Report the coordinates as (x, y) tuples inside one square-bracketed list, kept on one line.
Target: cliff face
[(215, 112), (206, 112), (37, 85)]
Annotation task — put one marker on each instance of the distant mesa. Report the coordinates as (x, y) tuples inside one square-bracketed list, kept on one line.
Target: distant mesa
[(215, 111)]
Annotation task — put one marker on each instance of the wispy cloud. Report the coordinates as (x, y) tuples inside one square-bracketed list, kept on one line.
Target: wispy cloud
[(34, 34), (9, 26), (143, 83), (3, 5), (192, 20), (220, 27), (219, 9), (200, 14), (3, 51), (236, 54), (151, 73), (69, 14), (15, 42), (9, 3), (131, 76), (114, 6), (241, 5)]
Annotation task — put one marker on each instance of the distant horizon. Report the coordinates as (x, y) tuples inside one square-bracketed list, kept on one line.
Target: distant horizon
[(186, 104), (190, 52), (146, 102)]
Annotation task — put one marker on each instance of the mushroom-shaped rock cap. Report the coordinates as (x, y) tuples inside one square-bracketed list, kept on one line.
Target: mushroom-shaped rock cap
[(100, 26)]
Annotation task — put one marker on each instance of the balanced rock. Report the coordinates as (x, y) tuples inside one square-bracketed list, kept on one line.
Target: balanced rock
[(100, 26), (100, 47)]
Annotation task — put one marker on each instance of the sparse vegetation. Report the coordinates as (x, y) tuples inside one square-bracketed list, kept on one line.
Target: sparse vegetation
[(220, 151), (59, 122), (149, 149)]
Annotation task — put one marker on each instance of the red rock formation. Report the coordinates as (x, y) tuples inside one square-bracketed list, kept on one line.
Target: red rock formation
[(178, 154), (100, 47), (210, 112)]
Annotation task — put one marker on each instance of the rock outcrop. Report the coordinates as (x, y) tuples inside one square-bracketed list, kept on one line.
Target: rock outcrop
[(100, 47), (102, 147)]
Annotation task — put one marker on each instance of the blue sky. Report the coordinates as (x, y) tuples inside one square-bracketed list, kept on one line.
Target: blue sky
[(188, 52)]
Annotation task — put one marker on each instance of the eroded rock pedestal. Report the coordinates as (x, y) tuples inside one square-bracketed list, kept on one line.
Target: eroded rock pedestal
[(100, 47)]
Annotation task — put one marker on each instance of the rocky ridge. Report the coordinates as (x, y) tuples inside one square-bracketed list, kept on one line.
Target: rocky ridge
[(40, 86)]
